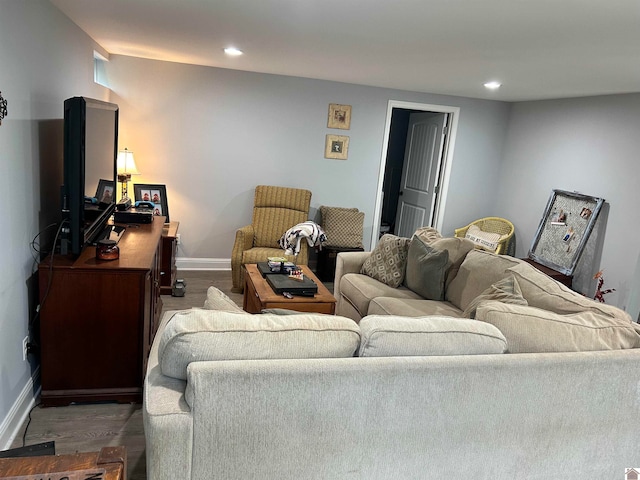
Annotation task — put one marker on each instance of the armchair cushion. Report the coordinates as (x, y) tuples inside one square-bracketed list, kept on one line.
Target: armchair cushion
[(342, 226)]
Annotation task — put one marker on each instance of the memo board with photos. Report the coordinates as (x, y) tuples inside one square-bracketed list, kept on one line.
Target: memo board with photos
[(564, 230)]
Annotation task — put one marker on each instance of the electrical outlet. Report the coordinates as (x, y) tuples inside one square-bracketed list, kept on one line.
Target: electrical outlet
[(178, 239), (25, 343)]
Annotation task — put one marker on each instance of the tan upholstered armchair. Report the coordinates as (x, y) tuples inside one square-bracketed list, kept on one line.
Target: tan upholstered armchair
[(275, 210)]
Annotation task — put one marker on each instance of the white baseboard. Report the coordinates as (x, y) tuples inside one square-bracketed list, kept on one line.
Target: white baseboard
[(17, 415), (185, 263)]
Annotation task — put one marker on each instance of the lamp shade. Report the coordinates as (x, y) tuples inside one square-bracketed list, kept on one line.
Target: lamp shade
[(126, 164)]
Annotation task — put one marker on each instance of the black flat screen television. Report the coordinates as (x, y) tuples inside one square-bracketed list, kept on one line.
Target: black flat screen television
[(90, 171)]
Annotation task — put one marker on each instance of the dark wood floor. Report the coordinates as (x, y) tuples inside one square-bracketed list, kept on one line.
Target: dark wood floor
[(89, 427)]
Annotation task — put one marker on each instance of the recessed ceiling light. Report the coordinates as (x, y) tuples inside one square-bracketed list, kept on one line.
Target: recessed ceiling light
[(493, 85), (233, 52)]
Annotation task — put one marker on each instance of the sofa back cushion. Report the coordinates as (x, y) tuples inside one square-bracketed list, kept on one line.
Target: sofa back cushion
[(393, 336), (543, 292), (204, 335), (533, 330), (479, 270)]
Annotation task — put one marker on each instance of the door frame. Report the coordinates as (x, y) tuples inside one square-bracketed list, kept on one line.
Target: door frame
[(445, 168)]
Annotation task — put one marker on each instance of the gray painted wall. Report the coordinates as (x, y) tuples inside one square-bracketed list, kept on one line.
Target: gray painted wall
[(212, 135), (44, 59), (589, 145)]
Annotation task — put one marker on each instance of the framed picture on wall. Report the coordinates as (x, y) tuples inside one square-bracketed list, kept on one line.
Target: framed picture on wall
[(156, 194), (339, 116), (336, 146)]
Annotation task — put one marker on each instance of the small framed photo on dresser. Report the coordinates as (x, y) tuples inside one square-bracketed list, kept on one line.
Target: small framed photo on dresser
[(156, 194)]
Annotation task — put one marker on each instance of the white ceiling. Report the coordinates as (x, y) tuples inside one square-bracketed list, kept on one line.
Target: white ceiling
[(538, 49)]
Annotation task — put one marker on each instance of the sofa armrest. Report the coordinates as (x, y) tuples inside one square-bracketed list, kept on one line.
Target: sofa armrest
[(347, 262), (167, 419)]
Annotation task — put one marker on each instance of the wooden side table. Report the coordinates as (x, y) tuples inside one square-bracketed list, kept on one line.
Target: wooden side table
[(168, 269), (560, 277), (258, 295), (110, 463)]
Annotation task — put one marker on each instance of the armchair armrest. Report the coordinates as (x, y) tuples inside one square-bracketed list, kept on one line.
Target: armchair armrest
[(243, 241)]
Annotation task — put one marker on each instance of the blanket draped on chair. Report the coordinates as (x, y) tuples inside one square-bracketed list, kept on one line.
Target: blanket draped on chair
[(290, 240)]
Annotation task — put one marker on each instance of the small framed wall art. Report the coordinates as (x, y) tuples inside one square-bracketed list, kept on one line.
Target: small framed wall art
[(339, 116), (156, 194), (336, 146)]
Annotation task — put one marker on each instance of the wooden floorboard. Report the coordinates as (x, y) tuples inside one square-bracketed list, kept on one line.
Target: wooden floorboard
[(89, 427)]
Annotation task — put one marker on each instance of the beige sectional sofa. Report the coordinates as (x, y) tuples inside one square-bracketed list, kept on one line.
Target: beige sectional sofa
[(534, 312), (230, 395)]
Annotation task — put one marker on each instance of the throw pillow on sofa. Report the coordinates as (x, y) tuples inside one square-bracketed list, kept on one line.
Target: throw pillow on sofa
[(426, 269), (209, 335), (393, 336), (506, 290), (458, 248), (479, 270), (388, 260), (218, 300), (529, 329)]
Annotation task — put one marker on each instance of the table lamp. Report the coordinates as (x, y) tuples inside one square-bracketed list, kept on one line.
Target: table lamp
[(126, 168)]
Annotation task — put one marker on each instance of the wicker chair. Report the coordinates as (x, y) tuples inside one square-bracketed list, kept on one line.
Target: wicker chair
[(492, 225), (275, 210)]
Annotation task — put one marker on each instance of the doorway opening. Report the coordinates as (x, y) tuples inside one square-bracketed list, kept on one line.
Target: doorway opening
[(414, 168)]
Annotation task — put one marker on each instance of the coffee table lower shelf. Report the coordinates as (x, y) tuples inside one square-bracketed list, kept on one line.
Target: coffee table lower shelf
[(259, 295)]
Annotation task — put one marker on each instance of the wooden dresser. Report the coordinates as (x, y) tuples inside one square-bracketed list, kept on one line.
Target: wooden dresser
[(98, 319), (169, 272)]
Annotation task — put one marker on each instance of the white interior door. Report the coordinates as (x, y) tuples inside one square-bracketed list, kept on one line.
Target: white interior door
[(420, 172)]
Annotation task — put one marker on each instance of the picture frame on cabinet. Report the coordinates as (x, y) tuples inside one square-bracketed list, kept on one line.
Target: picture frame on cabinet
[(105, 191), (156, 194)]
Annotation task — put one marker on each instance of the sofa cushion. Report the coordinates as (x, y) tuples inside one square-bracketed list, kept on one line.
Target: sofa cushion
[(411, 307), (388, 260), (542, 291), (359, 290), (202, 335), (426, 269), (530, 329), (506, 290), (385, 336), (342, 226), (218, 300)]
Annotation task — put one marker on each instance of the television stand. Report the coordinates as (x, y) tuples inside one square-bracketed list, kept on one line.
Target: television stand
[(98, 319), (110, 232)]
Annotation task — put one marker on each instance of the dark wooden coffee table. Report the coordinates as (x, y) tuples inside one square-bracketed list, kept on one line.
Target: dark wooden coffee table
[(258, 294)]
